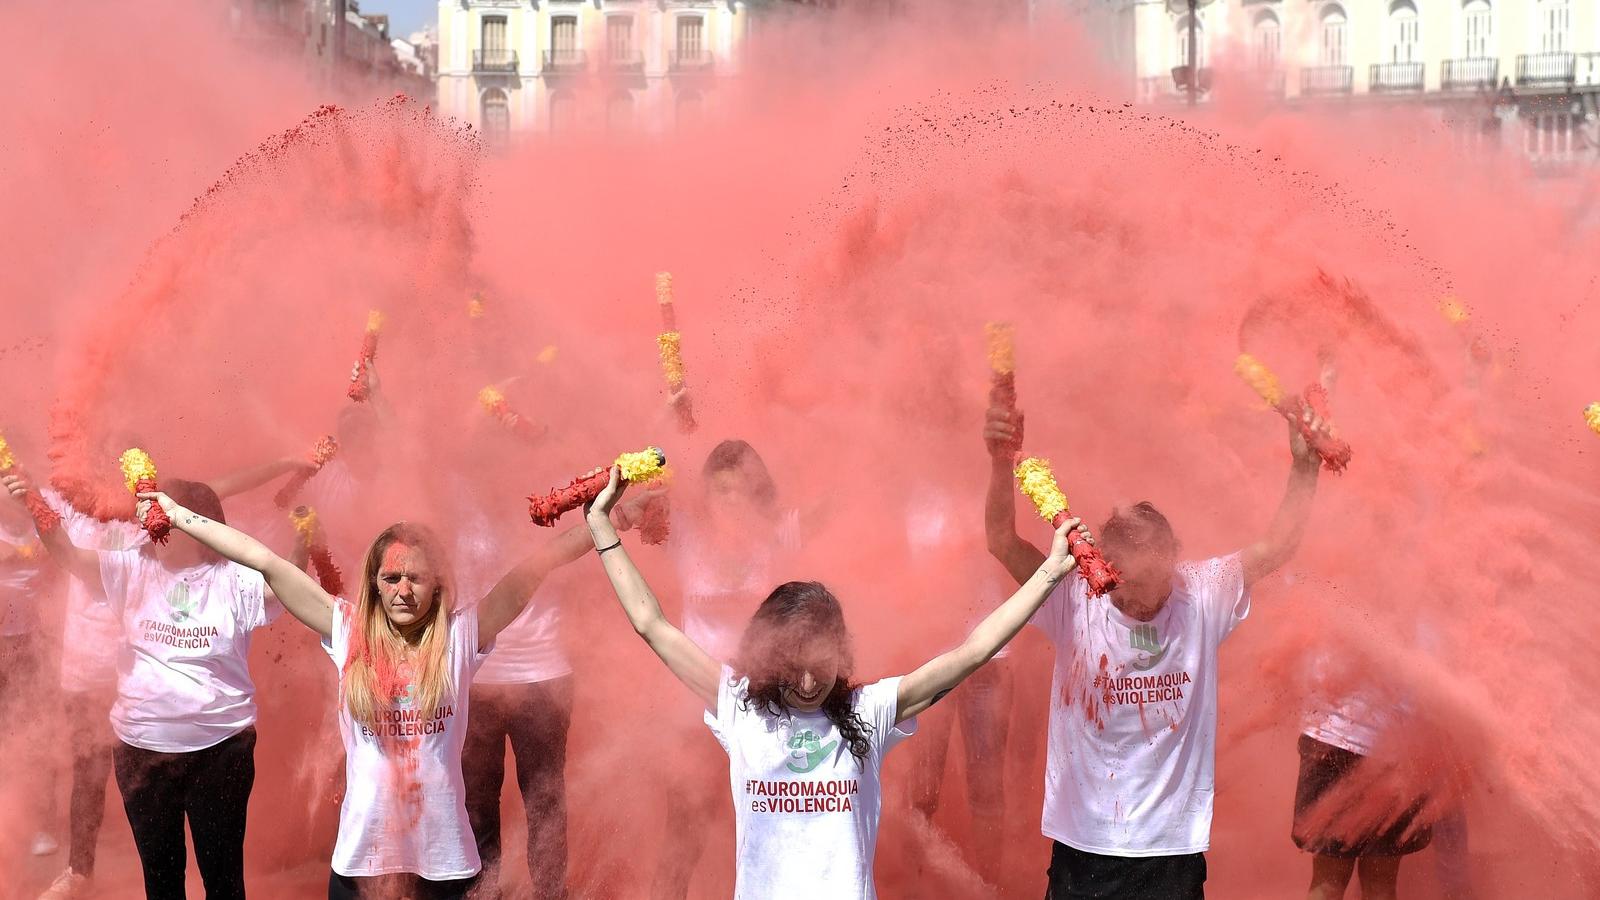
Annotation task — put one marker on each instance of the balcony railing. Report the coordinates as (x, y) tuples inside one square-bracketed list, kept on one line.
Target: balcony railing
[(624, 60), (494, 60), (1182, 74), (1391, 78), (691, 60), (1546, 69), (1474, 74), (1327, 80), (565, 59)]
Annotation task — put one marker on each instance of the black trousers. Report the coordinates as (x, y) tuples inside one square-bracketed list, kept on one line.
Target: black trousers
[(534, 718), (1076, 875), (211, 788), (393, 887)]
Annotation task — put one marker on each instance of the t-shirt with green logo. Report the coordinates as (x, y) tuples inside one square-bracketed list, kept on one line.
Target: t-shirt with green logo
[(1133, 713), (806, 809)]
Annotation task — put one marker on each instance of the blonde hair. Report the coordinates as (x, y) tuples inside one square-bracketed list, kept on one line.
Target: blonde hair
[(381, 663)]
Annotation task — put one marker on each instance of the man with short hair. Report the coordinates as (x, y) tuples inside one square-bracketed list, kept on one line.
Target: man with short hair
[(1133, 713)]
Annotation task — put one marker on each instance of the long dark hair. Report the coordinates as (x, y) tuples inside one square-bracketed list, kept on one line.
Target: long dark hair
[(795, 614)]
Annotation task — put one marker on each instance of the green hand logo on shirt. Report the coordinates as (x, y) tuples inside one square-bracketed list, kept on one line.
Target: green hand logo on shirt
[(179, 601), (808, 751), (1145, 639)]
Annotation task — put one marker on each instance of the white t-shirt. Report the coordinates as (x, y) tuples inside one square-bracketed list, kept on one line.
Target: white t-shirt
[(806, 809), (1133, 714), (528, 650), (183, 673), (722, 586), (23, 580), (92, 634), (933, 531), (405, 805)]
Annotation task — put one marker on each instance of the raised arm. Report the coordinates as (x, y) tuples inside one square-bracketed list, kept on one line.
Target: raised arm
[(252, 477), (1002, 432), (81, 563), (691, 664), (298, 592), (1288, 526), (939, 676), (511, 593)]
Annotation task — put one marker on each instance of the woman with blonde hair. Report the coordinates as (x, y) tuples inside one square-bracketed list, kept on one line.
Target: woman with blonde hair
[(407, 649)]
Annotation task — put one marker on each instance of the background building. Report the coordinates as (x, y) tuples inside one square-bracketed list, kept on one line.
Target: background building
[(345, 52), (512, 67), (1518, 74)]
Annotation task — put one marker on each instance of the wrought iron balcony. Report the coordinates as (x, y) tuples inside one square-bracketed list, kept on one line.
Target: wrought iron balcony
[(494, 60), (1546, 69), (1392, 78), (1473, 74), (1327, 80), (624, 60), (565, 59), (691, 60)]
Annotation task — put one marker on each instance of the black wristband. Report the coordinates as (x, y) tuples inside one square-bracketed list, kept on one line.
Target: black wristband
[(612, 547)]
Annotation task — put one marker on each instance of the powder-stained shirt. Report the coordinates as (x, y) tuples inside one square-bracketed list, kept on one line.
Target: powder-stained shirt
[(806, 810), (405, 804), (1133, 714), (91, 636), (183, 671)]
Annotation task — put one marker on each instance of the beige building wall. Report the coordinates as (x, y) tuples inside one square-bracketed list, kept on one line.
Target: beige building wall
[(516, 67)]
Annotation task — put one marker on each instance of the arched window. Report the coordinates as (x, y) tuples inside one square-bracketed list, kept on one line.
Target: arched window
[(1182, 36), (619, 112), (1477, 28), (563, 111), (689, 109), (1333, 36), (496, 115), (1266, 40), (1403, 30)]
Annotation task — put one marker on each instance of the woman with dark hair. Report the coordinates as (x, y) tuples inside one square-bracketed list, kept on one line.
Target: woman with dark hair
[(728, 545), (805, 743), (185, 711)]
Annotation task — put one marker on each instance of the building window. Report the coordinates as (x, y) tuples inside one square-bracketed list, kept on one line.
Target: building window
[(564, 39), (1476, 25), (496, 116), (1183, 42), (688, 109), (619, 38), (1333, 36), (1403, 30), (563, 111), (494, 35), (1266, 41), (691, 38), (619, 112), (1555, 20)]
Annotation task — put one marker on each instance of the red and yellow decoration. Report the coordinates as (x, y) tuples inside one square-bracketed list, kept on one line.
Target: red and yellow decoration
[(1591, 415), (1335, 453), (493, 401), (670, 345), (1038, 483), (308, 529), (139, 473), (322, 451), (44, 518), (360, 388), (545, 509)]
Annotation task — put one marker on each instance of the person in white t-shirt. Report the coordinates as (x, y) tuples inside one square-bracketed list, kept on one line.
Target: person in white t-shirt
[(184, 714), (729, 543), (28, 582), (407, 652), (805, 745), (1133, 716)]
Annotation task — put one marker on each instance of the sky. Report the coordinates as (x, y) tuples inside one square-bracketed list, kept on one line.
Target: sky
[(405, 16)]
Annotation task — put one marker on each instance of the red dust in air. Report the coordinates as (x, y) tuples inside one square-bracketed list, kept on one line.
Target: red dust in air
[(837, 243)]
